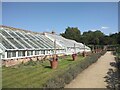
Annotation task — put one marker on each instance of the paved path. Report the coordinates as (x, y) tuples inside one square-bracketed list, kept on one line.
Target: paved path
[(93, 76)]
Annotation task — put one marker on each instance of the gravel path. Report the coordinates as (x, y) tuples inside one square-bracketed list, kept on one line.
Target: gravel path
[(93, 76)]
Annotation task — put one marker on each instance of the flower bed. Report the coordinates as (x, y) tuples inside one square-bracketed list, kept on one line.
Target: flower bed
[(67, 75)]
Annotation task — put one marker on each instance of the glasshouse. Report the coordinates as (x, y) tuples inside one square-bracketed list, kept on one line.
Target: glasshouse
[(70, 46), (19, 45)]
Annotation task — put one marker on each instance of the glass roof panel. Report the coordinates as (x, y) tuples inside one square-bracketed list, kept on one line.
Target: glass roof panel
[(12, 40), (6, 44)]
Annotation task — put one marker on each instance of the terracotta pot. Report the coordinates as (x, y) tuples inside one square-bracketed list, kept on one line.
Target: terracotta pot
[(54, 62), (74, 56), (84, 54)]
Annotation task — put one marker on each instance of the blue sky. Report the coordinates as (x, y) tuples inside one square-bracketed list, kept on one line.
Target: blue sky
[(50, 16)]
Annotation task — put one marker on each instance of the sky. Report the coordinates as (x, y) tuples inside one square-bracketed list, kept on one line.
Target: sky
[(57, 16)]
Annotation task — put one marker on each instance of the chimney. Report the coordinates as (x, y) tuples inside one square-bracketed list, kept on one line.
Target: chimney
[(52, 32)]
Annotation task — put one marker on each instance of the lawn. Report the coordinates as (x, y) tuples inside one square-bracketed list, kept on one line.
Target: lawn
[(34, 75)]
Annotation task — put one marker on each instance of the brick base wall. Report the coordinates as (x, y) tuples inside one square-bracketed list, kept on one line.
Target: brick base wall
[(12, 62)]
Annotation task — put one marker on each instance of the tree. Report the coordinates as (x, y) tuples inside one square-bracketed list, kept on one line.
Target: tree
[(114, 37), (118, 38), (93, 37), (72, 33)]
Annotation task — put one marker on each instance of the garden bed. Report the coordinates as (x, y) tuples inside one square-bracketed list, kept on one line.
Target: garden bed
[(33, 74), (40, 74), (67, 75)]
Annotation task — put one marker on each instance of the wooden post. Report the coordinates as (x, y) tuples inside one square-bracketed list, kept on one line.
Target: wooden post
[(84, 47), (84, 53), (93, 49), (74, 48), (55, 46)]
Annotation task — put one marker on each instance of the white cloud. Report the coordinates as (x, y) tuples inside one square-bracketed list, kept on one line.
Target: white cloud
[(93, 29), (104, 27)]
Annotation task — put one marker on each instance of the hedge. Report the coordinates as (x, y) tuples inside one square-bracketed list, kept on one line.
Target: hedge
[(64, 77)]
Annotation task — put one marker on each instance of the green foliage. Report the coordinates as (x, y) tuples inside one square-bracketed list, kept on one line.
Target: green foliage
[(72, 33), (117, 53), (118, 38), (91, 37)]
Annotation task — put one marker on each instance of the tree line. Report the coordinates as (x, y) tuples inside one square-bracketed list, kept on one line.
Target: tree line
[(91, 37)]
